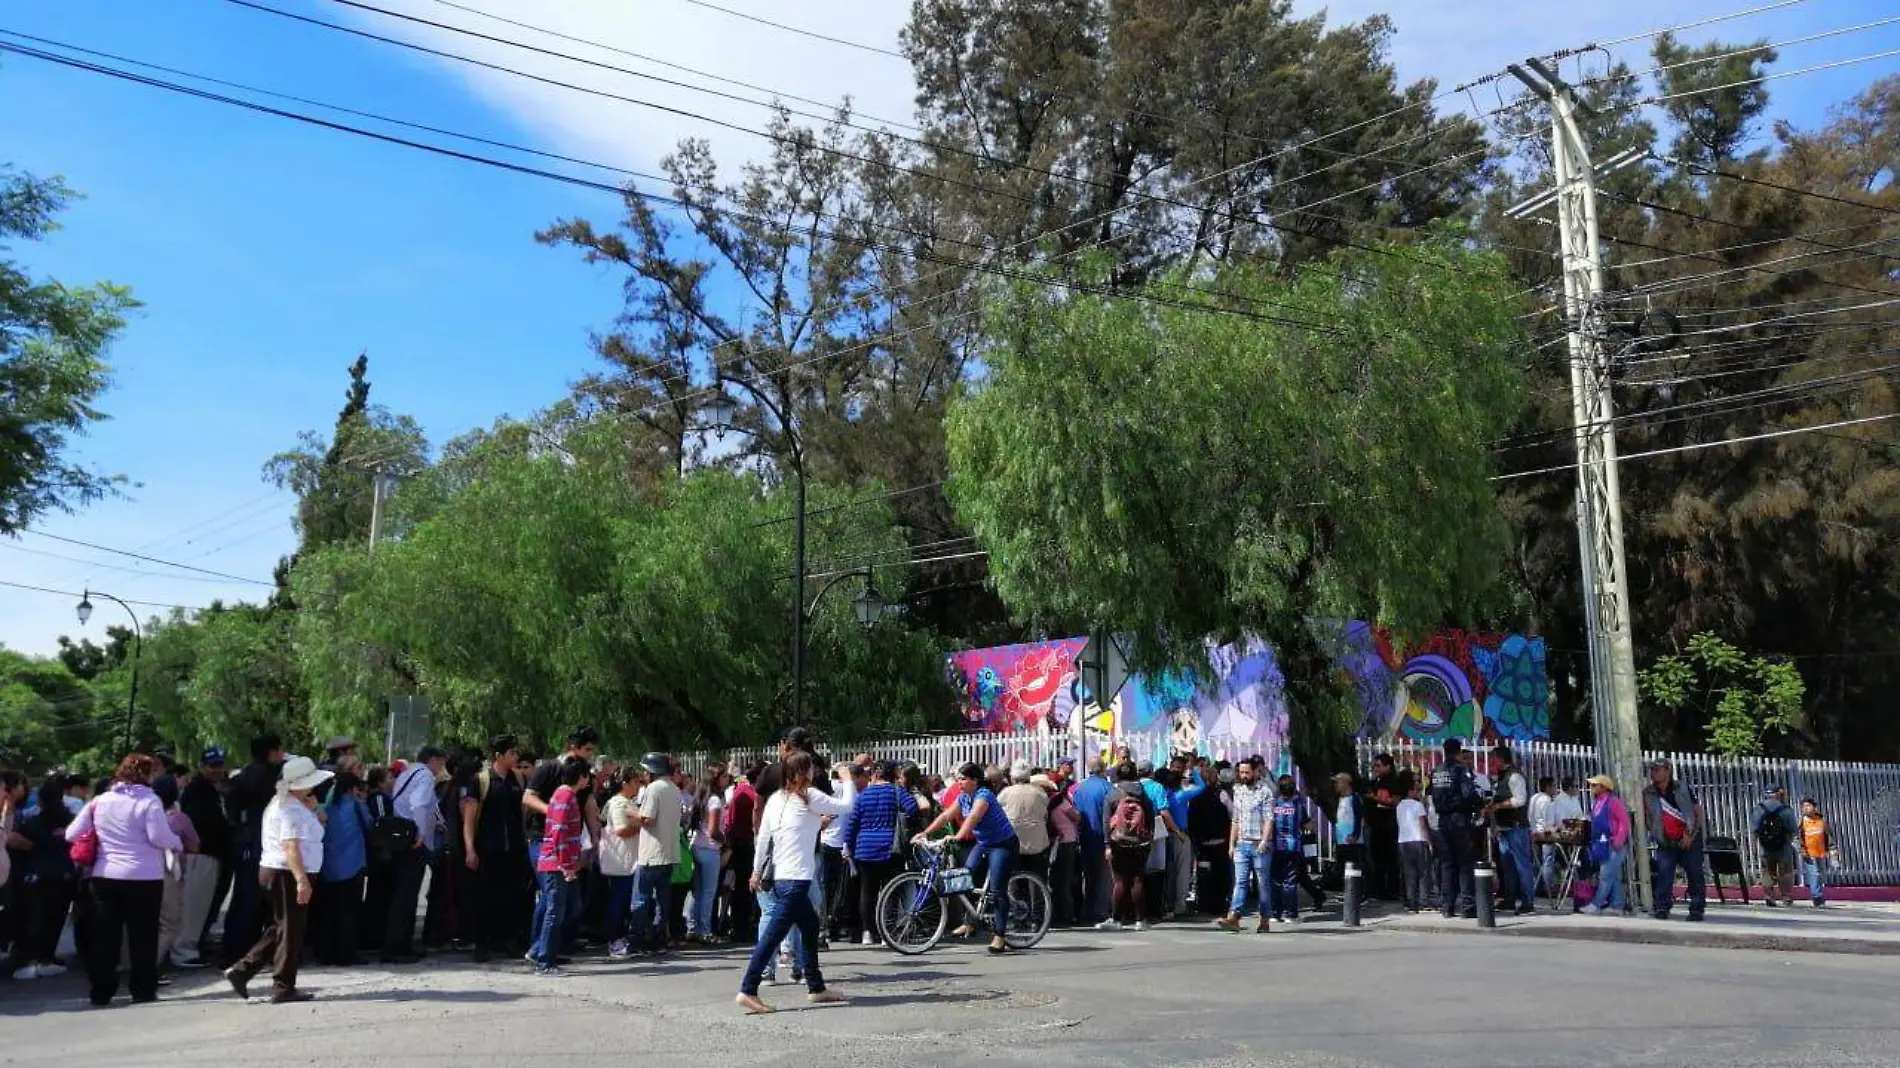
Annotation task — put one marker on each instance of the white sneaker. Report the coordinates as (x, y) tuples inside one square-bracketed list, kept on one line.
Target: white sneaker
[(1591, 910), (1144, 925), (48, 971), (619, 950), (1108, 925), (31, 971), (869, 939)]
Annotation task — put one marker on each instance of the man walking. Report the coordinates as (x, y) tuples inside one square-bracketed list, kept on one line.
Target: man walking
[(1250, 848), (1674, 815), (658, 817), (1776, 826)]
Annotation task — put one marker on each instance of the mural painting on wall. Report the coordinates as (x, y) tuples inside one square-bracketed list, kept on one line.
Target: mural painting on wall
[(1452, 684)]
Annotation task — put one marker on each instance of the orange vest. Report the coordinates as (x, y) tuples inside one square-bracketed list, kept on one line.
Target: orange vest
[(1814, 836)]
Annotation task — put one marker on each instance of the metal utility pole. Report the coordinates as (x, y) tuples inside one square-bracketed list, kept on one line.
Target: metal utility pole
[(1599, 514), (378, 492)]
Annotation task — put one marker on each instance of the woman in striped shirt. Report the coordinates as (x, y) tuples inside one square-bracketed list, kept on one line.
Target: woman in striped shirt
[(871, 837)]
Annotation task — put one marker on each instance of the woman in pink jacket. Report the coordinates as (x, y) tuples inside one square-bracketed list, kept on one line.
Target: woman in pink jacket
[(1609, 844), (130, 835)]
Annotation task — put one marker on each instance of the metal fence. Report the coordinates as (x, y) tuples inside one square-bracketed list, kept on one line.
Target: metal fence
[(1861, 801)]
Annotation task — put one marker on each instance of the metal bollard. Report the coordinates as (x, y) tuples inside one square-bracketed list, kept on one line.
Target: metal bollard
[(1484, 882), (1352, 890)]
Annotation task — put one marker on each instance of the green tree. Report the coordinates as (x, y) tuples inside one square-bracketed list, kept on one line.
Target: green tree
[(47, 715), (53, 340), (1742, 700), (1176, 474), (333, 477)]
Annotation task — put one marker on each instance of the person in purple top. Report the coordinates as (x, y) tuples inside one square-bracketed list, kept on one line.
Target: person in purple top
[(133, 834)]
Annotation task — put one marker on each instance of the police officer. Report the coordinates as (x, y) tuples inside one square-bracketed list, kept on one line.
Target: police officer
[(1456, 799)]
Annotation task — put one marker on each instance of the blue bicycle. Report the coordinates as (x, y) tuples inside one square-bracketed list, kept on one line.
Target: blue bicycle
[(913, 909)]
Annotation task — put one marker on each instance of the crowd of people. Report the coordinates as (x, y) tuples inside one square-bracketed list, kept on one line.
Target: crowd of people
[(160, 867)]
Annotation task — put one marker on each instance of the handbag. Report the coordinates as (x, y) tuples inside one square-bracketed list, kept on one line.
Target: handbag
[(84, 849), (766, 866)]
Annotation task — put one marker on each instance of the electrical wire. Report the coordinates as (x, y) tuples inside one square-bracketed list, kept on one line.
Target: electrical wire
[(114, 567), (1701, 445), (70, 593), (148, 559), (813, 34), (1816, 194)]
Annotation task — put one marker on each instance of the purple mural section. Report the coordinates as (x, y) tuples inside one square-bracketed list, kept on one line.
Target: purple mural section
[(1452, 684)]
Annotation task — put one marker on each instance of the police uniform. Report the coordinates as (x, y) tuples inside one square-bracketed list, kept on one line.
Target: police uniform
[(1455, 798)]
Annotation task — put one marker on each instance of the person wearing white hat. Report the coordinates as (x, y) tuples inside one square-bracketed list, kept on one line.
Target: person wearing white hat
[(292, 848)]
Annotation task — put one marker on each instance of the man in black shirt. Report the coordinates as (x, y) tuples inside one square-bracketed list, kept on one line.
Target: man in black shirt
[(1456, 800), (495, 848), (582, 743), (244, 800), (202, 802)]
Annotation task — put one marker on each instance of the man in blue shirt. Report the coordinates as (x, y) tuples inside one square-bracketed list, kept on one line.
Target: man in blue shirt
[(1181, 793), (1090, 797)]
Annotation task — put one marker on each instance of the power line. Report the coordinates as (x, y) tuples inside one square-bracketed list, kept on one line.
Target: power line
[(1698, 24), (1699, 168), (1707, 89), (149, 559), (70, 593), (813, 34), (112, 567), (1705, 445)]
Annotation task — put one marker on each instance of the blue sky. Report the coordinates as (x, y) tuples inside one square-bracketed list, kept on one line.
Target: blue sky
[(268, 254)]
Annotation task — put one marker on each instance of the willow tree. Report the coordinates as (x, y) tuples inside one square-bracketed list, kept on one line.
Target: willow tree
[(1178, 473)]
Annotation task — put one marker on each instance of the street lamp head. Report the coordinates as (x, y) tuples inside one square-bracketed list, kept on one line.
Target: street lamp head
[(85, 607), (720, 410), (869, 605)]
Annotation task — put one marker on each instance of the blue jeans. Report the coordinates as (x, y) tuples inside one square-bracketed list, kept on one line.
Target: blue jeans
[(790, 909), (1668, 859), (1251, 864), (652, 895), (619, 901), (795, 942), (1284, 882), (768, 906), (549, 907), (1514, 844), (705, 891), (1609, 893), (998, 860), (1814, 873)]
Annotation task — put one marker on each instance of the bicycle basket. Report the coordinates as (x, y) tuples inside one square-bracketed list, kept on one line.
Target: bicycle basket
[(955, 881)]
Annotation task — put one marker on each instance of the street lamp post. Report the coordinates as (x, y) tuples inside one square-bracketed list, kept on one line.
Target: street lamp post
[(720, 410), (138, 644)]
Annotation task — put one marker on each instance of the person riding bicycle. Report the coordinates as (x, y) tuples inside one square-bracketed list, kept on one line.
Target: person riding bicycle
[(996, 846)]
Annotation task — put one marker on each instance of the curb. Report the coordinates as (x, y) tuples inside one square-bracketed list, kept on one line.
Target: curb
[(1679, 934)]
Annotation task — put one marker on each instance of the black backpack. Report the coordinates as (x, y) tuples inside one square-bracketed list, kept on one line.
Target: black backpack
[(1774, 834)]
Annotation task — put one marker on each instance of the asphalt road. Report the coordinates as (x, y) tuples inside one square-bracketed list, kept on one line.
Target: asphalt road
[(1182, 997)]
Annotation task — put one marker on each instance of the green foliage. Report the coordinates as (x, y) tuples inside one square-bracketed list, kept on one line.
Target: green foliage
[(46, 713), (1174, 473), (648, 612), (332, 477), (1743, 699), (53, 339)]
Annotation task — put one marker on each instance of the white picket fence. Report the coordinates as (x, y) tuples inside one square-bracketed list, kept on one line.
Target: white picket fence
[(1861, 801)]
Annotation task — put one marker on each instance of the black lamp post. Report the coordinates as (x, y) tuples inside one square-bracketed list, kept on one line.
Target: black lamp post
[(138, 645)]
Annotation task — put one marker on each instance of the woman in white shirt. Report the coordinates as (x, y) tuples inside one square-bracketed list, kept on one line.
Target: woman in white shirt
[(292, 849), (785, 865), (619, 851)]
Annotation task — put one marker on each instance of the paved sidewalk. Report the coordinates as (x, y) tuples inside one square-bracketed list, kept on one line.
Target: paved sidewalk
[(1849, 927)]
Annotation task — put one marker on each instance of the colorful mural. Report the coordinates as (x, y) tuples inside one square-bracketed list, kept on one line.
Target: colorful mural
[(1451, 684)]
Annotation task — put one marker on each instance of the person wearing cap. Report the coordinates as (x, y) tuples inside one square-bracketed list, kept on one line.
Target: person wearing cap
[(340, 755), (207, 872), (1609, 844), (1775, 827), (1349, 822), (291, 849), (1674, 817), (1456, 800), (657, 815)]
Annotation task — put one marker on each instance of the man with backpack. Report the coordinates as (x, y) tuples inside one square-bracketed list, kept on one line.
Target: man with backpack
[(495, 848), (1129, 821), (1775, 826)]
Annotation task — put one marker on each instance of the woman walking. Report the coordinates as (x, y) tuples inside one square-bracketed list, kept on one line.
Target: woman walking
[(125, 835), (786, 866), (290, 854), (1609, 844)]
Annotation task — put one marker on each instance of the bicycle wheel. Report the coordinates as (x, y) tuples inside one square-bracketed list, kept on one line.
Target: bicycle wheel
[(910, 914), (1029, 904)]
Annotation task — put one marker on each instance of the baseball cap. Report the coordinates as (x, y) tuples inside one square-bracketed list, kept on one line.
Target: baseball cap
[(213, 757)]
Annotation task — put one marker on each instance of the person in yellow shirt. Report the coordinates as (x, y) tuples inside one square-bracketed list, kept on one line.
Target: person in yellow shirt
[(1817, 850)]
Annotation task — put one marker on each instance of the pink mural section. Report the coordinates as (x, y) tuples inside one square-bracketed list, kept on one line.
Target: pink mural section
[(1018, 687)]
